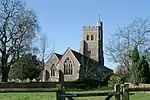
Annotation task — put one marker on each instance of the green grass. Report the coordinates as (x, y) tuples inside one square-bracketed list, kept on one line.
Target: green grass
[(27, 96), (140, 96), (52, 96)]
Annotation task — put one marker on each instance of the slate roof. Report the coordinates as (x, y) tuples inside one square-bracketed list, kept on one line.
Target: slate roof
[(59, 55), (79, 57), (108, 69)]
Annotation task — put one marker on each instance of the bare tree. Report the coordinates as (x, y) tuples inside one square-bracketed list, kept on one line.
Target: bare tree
[(120, 70), (18, 27), (87, 69), (89, 72), (46, 49), (125, 39)]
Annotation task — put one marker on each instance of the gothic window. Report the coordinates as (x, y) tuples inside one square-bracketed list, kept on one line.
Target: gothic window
[(92, 37), (68, 67), (53, 69), (47, 75), (87, 37)]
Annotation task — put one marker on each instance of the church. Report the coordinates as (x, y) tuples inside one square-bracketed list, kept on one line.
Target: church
[(82, 64)]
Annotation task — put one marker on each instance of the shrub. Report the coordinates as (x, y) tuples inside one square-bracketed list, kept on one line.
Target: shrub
[(114, 79)]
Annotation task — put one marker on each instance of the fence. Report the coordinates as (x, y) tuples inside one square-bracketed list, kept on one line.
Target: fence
[(127, 88), (54, 87), (61, 95)]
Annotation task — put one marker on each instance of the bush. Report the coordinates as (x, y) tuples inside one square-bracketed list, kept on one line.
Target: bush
[(115, 79)]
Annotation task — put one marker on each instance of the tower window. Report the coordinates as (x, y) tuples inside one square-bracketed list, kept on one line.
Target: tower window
[(92, 37), (87, 37)]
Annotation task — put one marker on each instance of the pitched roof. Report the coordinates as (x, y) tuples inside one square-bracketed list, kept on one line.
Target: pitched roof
[(79, 58), (58, 55), (108, 68), (82, 58)]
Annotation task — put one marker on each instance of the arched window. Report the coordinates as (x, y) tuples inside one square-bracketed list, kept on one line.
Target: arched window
[(92, 37), (47, 75), (53, 69), (68, 67), (87, 38)]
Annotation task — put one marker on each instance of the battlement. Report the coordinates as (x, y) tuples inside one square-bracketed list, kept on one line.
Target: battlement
[(87, 27)]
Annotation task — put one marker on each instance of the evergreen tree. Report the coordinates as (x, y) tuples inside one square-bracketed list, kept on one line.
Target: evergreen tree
[(135, 58), (140, 68), (28, 66), (135, 55), (143, 71)]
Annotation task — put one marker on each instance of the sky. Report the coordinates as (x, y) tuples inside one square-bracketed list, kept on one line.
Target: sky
[(62, 20)]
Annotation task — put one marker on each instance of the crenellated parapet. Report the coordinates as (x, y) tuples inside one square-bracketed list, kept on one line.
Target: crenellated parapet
[(87, 27)]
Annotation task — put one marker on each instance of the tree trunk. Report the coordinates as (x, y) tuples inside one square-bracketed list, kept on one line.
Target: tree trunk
[(5, 76), (4, 68)]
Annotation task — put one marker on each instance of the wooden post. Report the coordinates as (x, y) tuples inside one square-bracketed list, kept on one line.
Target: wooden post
[(125, 94), (62, 88), (117, 89), (57, 95)]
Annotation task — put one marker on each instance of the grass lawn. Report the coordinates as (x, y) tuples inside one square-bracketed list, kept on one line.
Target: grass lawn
[(52, 96), (140, 96), (27, 96)]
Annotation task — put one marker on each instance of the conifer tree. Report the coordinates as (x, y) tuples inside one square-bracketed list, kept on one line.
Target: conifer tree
[(142, 71), (140, 68), (135, 58), (135, 55)]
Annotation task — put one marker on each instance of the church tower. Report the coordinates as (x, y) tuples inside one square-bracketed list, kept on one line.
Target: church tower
[(92, 42)]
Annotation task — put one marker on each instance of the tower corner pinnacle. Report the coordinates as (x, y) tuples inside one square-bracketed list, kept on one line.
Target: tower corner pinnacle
[(99, 21)]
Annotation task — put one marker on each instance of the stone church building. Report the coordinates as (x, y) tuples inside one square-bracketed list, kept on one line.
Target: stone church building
[(88, 62)]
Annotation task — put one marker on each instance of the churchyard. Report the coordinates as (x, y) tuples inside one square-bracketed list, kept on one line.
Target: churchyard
[(27, 74)]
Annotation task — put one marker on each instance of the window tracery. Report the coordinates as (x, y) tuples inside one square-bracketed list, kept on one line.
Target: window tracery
[(68, 67), (53, 69)]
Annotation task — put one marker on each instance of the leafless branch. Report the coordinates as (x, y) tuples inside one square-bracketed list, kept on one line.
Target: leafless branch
[(18, 26), (121, 45)]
